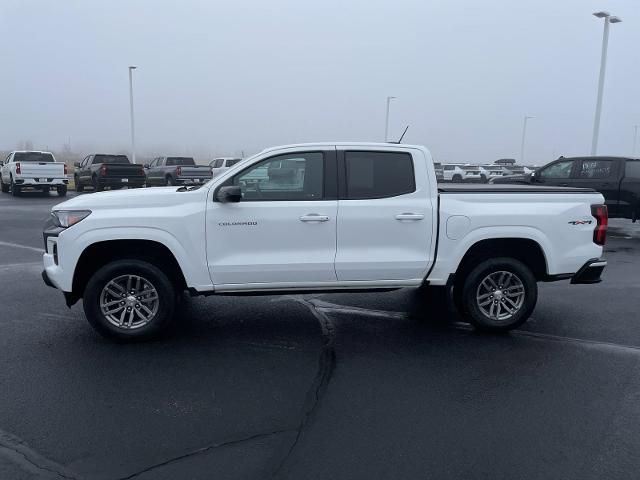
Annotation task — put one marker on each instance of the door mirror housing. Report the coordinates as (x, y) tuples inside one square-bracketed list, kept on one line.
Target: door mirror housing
[(76, 164), (146, 165), (534, 177), (230, 194)]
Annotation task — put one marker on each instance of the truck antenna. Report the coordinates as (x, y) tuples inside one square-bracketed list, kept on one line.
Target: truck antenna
[(402, 136)]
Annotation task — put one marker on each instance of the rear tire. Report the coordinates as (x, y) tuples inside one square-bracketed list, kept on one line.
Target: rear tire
[(62, 191), (169, 181), (96, 184), (457, 179), (15, 189), (127, 318), (4, 187), (499, 295)]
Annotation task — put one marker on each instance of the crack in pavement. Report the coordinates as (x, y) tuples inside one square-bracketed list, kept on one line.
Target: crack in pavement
[(326, 367), (203, 450), (17, 451)]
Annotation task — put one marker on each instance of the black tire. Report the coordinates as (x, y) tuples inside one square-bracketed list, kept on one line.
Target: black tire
[(165, 289), (520, 275), (96, 184), (62, 191), (483, 178), (79, 186), (15, 189), (4, 187), (169, 181), (457, 179)]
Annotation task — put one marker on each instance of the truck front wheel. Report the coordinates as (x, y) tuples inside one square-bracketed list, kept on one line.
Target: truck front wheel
[(129, 300), (499, 294)]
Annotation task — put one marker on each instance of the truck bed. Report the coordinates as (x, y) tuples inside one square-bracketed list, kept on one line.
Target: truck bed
[(507, 188)]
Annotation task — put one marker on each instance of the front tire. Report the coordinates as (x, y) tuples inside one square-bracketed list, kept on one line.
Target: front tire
[(499, 295), (129, 300), (79, 186)]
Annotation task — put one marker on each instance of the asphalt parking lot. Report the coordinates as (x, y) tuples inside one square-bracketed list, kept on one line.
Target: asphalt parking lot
[(319, 386)]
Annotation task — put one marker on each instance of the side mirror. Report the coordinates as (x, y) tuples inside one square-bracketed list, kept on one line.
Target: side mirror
[(146, 165), (76, 164), (534, 177), (230, 194)]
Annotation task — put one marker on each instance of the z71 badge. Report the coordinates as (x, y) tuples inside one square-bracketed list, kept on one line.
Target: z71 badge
[(580, 222)]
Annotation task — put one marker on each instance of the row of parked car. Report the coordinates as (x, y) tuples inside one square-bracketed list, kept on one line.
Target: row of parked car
[(39, 171), (461, 172)]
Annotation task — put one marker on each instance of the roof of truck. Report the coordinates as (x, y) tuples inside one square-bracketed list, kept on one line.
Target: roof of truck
[(346, 144)]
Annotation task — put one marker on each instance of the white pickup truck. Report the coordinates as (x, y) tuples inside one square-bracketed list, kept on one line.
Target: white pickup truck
[(317, 218), (36, 170)]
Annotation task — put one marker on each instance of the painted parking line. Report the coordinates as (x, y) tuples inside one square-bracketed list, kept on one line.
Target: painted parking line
[(17, 245)]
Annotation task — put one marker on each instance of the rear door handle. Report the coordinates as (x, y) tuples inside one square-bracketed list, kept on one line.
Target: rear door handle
[(409, 216), (314, 217)]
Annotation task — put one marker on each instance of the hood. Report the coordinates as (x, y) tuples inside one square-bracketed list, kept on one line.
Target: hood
[(139, 197)]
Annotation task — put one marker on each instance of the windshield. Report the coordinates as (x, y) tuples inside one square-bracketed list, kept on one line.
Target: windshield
[(180, 161), (110, 159), (33, 157)]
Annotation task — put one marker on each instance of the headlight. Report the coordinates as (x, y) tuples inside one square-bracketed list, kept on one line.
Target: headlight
[(68, 218)]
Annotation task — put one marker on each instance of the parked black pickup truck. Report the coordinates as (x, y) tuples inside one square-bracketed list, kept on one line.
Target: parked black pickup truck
[(176, 171), (113, 171), (617, 178)]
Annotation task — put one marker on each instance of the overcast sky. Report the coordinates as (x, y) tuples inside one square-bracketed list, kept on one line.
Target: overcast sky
[(220, 77)]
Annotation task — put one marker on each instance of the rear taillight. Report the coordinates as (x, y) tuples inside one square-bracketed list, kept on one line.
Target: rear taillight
[(18, 171), (179, 171), (103, 170), (65, 168), (601, 215)]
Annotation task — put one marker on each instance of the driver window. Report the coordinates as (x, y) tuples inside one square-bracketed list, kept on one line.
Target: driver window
[(558, 170), (298, 176)]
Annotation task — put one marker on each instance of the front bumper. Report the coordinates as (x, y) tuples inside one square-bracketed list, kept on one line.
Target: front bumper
[(590, 272)]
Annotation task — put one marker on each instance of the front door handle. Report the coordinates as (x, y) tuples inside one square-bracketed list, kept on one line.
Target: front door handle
[(409, 216), (564, 184), (314, 217)]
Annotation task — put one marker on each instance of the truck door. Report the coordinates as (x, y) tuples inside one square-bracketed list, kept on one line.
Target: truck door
[(556, 174), (385, 215), (283, 230), (602, 175)]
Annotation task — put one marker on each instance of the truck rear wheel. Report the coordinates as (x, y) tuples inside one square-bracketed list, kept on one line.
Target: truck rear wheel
[(129, 300), (5, 187), (457, 178), (62, 190), (499, 294), (96, 184), (15, 189)]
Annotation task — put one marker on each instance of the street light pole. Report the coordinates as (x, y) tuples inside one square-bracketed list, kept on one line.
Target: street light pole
[(635, 140), (133, 128), (524, 137), (608, 20), (386, 122)]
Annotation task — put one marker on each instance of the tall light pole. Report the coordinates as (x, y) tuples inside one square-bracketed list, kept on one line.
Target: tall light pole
[(133, 127), (635, 140), (524, 136), (608, 19), (386, 122)]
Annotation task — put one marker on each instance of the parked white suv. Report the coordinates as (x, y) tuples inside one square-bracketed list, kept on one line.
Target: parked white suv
[(321, 217), (219, 165), (487, 172), (35, 170), (458, 172)]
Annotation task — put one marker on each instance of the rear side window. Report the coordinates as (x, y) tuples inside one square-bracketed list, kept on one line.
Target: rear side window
[(632, 169), (218, 163), (378, 174), (595, 169), (33, 157), (231, 163)]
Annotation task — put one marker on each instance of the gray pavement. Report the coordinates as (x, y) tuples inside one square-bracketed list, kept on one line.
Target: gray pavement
[(342, 386)]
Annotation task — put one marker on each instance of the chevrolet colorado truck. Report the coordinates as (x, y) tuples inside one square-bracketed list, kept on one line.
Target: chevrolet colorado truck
[(35, 170), (321, 218)]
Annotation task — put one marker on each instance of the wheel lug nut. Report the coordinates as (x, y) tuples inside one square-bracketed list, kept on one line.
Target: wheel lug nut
[(121, 303), (137, 305)]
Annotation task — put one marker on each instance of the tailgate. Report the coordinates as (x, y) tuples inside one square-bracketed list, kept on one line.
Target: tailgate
[(123, 170), (198, 171), (42, 170)]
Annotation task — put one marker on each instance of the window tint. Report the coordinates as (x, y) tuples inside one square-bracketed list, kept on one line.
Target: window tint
[(33, 157), (218, 163), (557, 170), (633, 169), (378, 174), (298, 176), (110, 159), (595, 169), (231, 163), (449, 167), (188, 161)]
